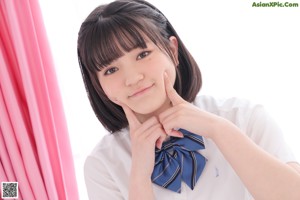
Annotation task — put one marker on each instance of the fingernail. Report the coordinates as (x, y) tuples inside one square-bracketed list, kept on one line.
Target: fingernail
[(159, 145), (180, 135)]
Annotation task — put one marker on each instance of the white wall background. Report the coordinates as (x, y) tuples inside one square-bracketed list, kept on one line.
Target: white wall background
[(252, 53)]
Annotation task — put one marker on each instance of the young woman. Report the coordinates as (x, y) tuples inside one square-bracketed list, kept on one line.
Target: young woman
[(166, 142)]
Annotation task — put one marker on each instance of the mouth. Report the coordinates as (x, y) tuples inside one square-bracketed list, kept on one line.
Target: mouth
[(141, 91)]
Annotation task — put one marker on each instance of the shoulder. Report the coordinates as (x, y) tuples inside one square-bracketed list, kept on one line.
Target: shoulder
[(242, 112), (107, 165), (226, 106), (108, 150), (111, 143), (253, 120)]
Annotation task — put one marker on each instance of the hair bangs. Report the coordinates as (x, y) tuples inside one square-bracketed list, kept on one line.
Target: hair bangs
[(111, 39)]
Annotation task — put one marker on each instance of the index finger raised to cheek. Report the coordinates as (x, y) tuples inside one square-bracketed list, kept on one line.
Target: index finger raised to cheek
[(133, 122), (171, 92)]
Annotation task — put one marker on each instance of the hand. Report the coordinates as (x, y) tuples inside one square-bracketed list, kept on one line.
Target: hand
[(144, 137), (185, 115)]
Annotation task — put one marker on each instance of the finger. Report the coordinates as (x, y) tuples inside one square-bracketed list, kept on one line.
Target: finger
[(171, 92), (146, 129), (155, 134), (131, 118), (167, 113), (148, 125), (160, 140), (176, 133), (172, 122)]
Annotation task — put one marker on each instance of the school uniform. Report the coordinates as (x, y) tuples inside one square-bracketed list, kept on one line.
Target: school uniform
[(107, 168)]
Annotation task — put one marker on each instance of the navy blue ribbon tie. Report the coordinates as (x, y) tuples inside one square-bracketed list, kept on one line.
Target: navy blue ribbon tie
[(178, 160)]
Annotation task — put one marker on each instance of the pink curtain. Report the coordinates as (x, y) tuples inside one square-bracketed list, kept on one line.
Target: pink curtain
[(34, 144)]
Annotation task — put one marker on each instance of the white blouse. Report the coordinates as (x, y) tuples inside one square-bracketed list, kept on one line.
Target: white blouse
[(107, 168)]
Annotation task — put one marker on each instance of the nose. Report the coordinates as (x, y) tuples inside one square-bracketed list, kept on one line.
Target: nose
[(133, 77)]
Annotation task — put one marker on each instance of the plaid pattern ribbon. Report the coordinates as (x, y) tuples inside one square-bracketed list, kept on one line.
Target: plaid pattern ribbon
[(178, 160)]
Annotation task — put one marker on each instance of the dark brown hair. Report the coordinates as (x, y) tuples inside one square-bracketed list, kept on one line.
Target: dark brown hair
[(118, 27)]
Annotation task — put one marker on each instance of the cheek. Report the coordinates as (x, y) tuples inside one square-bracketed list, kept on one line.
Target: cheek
[(110, 89), (171, 72)]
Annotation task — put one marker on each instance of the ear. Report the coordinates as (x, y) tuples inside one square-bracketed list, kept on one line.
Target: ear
[(174, 48)]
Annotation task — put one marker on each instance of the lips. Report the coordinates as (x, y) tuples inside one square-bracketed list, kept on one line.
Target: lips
[(141, 91)]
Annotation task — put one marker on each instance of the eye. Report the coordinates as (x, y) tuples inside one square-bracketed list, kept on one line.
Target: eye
[(110, 71), (143, 55)]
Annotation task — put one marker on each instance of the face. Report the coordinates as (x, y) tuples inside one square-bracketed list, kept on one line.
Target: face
[(137, 79)]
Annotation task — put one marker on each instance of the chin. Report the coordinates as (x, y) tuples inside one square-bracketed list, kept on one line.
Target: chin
[(146, 110), (154, 107)]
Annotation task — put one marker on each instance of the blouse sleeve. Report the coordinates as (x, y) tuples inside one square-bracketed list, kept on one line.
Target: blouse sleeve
[(99, 183), (265, 132)]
